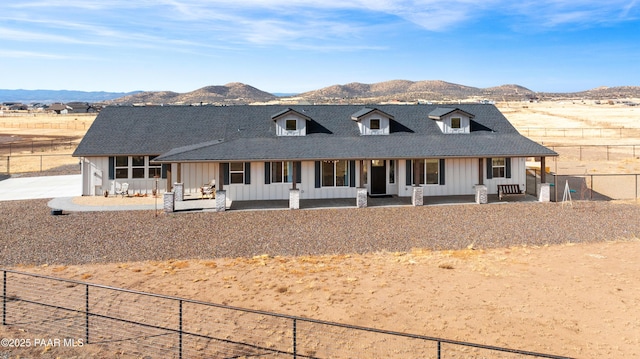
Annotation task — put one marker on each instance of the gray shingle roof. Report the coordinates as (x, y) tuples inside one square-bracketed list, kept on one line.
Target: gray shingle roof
[(443, 111), (208, 133)]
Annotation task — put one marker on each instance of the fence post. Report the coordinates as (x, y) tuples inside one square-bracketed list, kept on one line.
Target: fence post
[(4, 297), (439, 349), (295, 339), (580, 153), (180, 330), (86, 314), (607, 152), (591, 192)]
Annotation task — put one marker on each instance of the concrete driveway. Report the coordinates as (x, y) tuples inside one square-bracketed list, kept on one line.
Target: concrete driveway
[(40, 187)]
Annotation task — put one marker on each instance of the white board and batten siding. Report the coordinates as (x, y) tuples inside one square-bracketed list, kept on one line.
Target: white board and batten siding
[(518, 176), (95, 173), (461, 177), (258, 190), (195, 175)]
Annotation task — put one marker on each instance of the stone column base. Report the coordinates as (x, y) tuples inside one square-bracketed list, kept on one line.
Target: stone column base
[(481, 194), (221, 201), (361, 198), (169, 204), (294, 199), (544, 192), (417, 197), (178, 188)]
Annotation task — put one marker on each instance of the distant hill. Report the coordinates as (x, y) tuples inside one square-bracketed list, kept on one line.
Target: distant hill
[(232, 93), (389, 91), (54, 96), (403, 90)]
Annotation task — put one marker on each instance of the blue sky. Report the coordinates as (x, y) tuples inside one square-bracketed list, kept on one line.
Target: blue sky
[(302, 45)]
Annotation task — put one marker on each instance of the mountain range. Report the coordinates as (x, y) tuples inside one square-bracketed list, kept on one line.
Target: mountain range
[(388, 91), (53, 96)]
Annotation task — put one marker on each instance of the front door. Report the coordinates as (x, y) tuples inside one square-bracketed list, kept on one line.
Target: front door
[(378, 177)]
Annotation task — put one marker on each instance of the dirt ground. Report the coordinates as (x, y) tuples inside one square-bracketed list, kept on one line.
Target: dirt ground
[(578, 300)]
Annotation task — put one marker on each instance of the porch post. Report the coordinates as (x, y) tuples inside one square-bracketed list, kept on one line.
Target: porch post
[(169, 179), (295, 175), (543, 170), (179, 179), (219, 179), (416, 173), (361, 191)]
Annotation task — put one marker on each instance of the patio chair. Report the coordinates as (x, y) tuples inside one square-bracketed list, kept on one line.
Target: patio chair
[(208, 190), (124, 189)]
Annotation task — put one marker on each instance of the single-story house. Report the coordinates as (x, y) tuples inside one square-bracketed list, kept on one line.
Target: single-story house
[(323, 151), (59, 108)]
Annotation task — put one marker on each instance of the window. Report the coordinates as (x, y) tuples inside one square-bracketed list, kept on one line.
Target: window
[(431, 172), (137, 166), (335, 173), (291, 125), (455, 122), (374, 124), (281, 172), (122, 166), (236, 172), (428, 171), (154, 169), (392, 171), (498, 167)]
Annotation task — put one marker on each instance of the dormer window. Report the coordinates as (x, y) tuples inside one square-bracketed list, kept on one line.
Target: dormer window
[(372, 121), (452, 120), (291, 123)]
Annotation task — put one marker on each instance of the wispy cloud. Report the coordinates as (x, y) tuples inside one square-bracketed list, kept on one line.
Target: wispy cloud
[(583, 13), (329, 24)]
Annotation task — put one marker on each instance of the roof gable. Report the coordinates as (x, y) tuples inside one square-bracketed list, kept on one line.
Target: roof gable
[(289, 111), (366, 111), (441, 112)]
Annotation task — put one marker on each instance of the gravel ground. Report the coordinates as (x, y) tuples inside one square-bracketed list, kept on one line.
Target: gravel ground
[(30, 235)]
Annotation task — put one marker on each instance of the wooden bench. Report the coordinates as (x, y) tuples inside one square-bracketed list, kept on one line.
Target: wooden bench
[(509, 190)]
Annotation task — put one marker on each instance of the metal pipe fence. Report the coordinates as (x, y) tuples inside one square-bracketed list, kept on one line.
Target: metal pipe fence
[(32, 146), (143, 324), (80, 125), (596, 152), (581, 132), (50, 163), (596, 186)]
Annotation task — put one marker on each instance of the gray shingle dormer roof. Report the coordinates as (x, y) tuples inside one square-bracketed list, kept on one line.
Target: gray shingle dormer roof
[(365, 111), (245, 133), (290, 110), (440, 112)]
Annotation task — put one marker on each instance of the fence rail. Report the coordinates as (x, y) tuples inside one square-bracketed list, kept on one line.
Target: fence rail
[(596, 152), (597, 186), (138, 323), (600, 186), (9, 148), (52, 163), (581, 132)]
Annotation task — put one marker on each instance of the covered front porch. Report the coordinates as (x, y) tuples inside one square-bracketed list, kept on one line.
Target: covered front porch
[(195, 203)]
